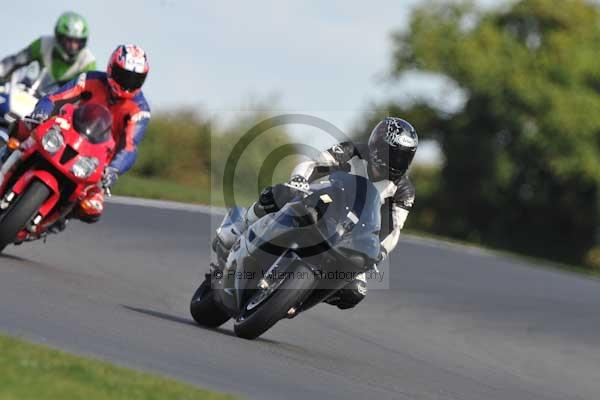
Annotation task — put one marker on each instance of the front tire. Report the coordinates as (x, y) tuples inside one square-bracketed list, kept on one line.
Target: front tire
[(205, 310), (21, 212), (291, 293)]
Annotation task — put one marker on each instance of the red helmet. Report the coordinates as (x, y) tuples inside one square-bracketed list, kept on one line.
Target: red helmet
[(127, 70)]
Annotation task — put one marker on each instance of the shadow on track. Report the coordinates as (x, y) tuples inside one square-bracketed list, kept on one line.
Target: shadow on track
[(14, 258), (180, 320)]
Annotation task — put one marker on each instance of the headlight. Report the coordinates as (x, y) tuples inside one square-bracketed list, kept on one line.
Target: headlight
[(84, 167), (53, 141)]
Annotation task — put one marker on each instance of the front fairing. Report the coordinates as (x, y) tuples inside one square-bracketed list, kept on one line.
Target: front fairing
[(21, 102), (75, 147), (339, 219), (346, 209), (356, 220)]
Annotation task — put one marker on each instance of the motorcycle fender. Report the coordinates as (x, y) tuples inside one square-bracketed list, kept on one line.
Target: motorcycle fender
[(48, 179), (284, 262), (247, 279), (240, 275)]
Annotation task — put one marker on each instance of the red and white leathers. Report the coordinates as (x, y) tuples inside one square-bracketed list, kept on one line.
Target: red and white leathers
[(130, 115)]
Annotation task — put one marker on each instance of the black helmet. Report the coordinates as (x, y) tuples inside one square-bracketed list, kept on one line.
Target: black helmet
[(392, 146)]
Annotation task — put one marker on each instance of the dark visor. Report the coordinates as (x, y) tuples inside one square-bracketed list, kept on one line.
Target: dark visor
[(128, 80), (71, 45), (393, 162), (401, 159)]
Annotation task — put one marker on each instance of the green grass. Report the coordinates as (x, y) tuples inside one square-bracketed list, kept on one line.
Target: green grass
[(164, 189), (29, 371), (131, 185)]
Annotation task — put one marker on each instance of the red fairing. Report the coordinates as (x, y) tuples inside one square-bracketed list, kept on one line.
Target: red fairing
[(130, 116), (70, 167)]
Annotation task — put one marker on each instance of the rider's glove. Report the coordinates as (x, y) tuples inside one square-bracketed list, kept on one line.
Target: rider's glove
[(382, 256), (110, 177), (272, 198), (299, 182), (42, 111), (267, 200)]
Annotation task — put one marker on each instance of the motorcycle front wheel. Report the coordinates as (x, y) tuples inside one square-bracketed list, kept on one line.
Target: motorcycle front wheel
[(20, 213), (205, 310), (256, 320)]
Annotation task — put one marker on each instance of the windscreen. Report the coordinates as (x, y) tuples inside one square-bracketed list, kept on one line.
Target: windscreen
[(357, 216), (347, 208), (93, 121)]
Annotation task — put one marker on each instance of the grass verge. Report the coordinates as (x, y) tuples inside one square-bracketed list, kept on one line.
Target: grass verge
[(160, 189), (30, 371), (164, 189)]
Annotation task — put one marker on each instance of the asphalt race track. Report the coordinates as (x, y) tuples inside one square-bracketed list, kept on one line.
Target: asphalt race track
[(458, 323)]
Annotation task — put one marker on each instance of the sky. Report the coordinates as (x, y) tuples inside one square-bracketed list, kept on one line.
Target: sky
[(327, 59)]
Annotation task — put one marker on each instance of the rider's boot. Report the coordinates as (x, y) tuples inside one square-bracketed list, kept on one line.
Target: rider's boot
[(91, 207), (89, 211), (59, 225), (225, 238), (351, 294), (220, 250)]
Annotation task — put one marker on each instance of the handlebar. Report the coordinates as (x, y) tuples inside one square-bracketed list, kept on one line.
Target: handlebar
[(31, 120), (306, 192)]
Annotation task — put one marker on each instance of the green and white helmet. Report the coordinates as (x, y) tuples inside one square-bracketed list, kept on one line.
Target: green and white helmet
[(71, 32)]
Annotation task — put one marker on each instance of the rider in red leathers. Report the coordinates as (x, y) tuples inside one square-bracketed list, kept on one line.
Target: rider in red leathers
[(119, 90)]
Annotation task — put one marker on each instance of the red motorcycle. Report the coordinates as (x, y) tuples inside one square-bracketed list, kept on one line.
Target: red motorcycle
[(50, 174)]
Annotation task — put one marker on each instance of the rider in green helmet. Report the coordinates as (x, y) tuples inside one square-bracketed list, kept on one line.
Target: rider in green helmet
[(64, 55)]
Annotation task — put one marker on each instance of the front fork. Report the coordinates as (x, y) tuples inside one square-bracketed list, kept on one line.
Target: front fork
[(9, 164), (35, 229), (5, 168), (33, 226)]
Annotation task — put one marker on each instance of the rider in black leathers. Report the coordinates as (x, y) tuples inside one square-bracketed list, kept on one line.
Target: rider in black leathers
[(384, 160)]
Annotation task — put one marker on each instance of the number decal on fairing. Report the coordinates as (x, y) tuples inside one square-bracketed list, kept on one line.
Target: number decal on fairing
[(63, 123)]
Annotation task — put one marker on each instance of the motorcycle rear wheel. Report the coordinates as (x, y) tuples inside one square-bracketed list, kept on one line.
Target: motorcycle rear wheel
[(20, 213), (290, 293)]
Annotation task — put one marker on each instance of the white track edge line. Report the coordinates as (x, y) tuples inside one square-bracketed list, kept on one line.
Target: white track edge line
[(210, 210), (166, 205)]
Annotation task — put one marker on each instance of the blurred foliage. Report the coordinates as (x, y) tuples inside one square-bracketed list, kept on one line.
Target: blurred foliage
[(186, 150), (522, 155), (177, 147)]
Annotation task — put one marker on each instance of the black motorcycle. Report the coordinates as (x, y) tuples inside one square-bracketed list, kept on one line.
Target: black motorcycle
[(293, 259)]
